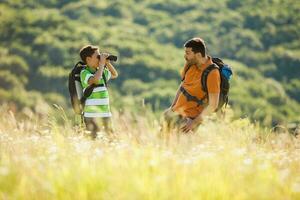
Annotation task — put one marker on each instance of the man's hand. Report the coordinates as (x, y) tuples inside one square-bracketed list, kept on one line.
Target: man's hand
[(168, 111), (189, 125)]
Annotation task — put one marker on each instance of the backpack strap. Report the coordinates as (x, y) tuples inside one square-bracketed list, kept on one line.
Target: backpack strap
[(205, 75), (88, 90), (190, 97), (76, 70), (218, 61), (79, 62), (204, 85), (104, 78)]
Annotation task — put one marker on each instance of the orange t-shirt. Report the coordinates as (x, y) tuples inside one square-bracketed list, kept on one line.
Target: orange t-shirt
[(192, 84)]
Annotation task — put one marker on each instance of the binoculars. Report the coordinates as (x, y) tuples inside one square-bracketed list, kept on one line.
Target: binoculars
[(110, 57)]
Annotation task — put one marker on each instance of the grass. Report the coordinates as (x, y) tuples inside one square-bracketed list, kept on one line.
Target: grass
[(42, 159)]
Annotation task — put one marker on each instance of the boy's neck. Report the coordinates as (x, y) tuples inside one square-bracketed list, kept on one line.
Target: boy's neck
[(93, 69)]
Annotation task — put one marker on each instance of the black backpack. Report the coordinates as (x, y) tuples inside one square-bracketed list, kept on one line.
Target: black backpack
[(77, 95), (225, 75)]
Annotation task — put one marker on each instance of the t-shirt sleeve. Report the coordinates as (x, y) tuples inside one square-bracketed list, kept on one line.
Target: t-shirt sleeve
[(107, 74), (213, 81), (84, 77)]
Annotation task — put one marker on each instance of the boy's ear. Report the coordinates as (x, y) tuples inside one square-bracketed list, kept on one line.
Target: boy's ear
[(87, 59)]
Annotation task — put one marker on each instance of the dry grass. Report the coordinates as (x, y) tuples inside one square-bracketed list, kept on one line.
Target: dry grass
[(41, 159)]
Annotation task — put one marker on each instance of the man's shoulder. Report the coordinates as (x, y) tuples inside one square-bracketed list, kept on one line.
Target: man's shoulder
[(213, 75), (214, 71), (190, 68)]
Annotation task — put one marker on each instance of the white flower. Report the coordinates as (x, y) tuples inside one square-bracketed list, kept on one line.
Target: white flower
[(248, 161), (4, 171), (296, 187)]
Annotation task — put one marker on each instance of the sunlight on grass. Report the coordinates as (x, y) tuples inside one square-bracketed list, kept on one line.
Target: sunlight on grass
[(41, 159)]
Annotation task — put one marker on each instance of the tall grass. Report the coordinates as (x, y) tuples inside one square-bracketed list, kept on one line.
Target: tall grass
[(232, 159)]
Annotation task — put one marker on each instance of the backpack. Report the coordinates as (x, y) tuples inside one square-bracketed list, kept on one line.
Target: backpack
[(225, 75), (77, 95)]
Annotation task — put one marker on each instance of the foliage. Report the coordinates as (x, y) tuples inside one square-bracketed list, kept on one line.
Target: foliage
[(40, 41)]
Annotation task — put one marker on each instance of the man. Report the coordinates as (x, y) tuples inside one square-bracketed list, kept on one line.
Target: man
[(98, 71), (191, 104)]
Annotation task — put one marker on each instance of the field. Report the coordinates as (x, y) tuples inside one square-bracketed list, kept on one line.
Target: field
[(42, 158), (46, 154)]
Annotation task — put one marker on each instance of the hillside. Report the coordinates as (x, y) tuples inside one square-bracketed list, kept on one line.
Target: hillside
[(259, 39)]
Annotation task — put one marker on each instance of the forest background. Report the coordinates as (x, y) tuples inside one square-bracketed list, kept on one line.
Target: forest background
[(259, 39)]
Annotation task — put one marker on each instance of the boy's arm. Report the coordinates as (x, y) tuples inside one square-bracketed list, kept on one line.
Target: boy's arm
[(98, 75), (111, 68)]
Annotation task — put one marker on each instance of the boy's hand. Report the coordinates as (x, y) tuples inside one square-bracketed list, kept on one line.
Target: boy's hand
[(103, 59)]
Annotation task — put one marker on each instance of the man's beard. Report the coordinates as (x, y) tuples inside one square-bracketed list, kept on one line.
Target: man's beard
[(191, 62)]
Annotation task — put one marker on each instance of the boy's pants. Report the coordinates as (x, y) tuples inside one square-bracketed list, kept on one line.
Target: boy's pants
[(97, 124)]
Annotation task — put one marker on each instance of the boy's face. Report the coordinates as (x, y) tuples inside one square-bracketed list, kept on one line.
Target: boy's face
[(92, 60)]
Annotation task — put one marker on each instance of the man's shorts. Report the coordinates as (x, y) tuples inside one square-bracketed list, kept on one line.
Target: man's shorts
[(172, 120)]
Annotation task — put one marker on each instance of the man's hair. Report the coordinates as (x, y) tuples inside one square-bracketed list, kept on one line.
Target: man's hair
[(197, 45), (87, 51)]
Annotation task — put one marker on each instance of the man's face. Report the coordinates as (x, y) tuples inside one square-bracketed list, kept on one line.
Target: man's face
[(93, 61), (190, 56)]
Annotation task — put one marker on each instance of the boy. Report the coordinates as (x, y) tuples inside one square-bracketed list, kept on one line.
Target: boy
[(98, 71)]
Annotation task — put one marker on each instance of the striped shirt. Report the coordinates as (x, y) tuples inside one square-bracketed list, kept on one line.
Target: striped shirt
[(97, 104)]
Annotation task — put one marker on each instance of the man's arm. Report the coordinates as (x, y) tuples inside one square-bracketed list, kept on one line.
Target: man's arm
[(176, 97), (209, 109), (212, 106), (113, 71), (169, 110)]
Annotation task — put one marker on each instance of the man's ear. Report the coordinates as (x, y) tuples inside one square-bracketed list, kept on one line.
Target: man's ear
[(198, 55)]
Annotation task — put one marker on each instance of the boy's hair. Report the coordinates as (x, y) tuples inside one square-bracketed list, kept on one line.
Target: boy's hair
[(87, 51), (197, 45)]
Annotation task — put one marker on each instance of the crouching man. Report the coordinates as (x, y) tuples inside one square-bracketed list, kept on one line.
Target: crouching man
[(191, 104)]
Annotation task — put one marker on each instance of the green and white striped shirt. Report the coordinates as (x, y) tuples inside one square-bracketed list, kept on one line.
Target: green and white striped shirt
[(97, 104)]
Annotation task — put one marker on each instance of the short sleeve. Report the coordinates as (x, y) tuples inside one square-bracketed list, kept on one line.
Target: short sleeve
[(213, 81), (107, 74), (84, 77)]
